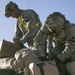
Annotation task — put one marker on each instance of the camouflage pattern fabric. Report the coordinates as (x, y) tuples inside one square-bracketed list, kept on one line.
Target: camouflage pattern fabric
[(9, 63), (26, 56), (65, 36), (28, 24)]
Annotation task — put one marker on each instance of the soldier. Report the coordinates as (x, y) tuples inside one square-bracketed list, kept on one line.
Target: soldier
[(28, 23), (63, 35)]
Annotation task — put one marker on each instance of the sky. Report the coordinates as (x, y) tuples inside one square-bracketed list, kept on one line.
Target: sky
[(42, 7)]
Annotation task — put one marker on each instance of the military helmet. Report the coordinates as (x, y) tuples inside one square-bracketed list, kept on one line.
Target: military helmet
[(55, 21), (9, 8)]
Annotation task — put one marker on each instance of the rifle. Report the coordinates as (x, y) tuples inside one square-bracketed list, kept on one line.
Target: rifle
[(50, 47)]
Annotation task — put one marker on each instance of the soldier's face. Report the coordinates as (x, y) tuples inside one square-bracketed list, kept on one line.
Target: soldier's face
[(55, 24), (14, 14), (51, 24)]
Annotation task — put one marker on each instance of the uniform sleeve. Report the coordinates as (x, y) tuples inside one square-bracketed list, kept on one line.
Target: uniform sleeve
[(40, 40), (33, 28), (69, 46), (18, 33)]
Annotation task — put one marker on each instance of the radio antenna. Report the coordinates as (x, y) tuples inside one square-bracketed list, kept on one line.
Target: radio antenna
[(28, 4)]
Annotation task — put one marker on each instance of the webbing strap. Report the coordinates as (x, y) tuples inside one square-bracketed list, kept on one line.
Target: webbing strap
[(37, 24), (24, 24)]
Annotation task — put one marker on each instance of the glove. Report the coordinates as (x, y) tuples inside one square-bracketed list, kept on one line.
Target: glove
[(61, 57), (43, 58), (54, 57), (18, 41)]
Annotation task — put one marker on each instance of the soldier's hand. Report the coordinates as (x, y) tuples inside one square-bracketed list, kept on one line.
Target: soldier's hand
[(14, 39), (17, 41), (61, 57)]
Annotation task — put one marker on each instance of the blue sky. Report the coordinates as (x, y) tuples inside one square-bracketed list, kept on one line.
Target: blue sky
[(42, 7)]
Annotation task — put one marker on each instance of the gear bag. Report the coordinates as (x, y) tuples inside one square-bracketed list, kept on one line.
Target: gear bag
[(8, 49), (43, 68)]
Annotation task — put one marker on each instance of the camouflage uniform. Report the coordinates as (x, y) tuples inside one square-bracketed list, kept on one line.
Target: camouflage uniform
[(28, 23), (28, 32), (63, 36)]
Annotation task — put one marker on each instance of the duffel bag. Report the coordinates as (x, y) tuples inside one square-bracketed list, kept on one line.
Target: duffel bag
[(43, 68)]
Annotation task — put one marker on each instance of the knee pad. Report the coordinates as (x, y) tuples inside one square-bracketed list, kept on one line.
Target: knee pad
[(71, 67)]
